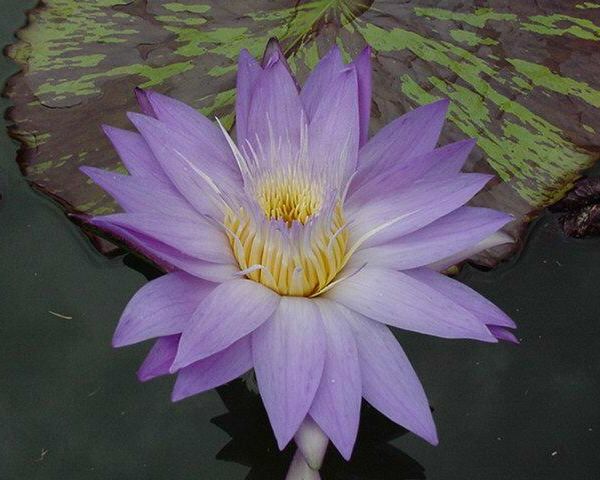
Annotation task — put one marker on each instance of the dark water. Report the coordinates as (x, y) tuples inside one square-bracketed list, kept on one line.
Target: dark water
[(71, 407)]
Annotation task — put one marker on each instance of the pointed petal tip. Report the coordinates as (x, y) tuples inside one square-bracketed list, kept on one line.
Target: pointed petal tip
[(143, 92), (80, 217), (143, 98), (346, 451), (143, 375), (438, 108), (117, 342), (365, 52), (428, 431), (142, 121), (107, 129), (504, 334), (283, 442), (177, 365), (177, 395), (246, 56), (272, 54), (87, 170), (443, 102), (139, 92), (433, 438)]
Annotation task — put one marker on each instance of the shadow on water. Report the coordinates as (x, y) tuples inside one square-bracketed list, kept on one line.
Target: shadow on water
[(253, 445)]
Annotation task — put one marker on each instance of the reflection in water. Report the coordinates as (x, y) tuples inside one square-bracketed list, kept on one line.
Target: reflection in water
[(253, 445)]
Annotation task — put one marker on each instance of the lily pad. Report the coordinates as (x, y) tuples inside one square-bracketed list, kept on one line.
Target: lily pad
[(523, 78)]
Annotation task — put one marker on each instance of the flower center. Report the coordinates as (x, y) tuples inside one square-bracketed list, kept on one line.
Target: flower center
[(289, 198), (294, 245)]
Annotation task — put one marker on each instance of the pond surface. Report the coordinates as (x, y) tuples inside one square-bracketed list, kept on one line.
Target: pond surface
[(72, 408)]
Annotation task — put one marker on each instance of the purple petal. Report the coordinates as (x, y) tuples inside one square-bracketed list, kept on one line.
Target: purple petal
[(334, 129), (485, 311), (415, 207), (213, 371), (136, 154), (389, 382), (502, 333), (191, 170), (141, 96), (336, 407), (159, 359), (453, 233), (321, 79), (398, 299), (274, 53), (312, 442), (439, 164), (165, 256), (498, 238), (276, 113), (197, 237), (205, 135), (161, 307), (232, 310), (411, 135), (247, 75), (451, 159), (141, 194), (289, 353), (364, 72)]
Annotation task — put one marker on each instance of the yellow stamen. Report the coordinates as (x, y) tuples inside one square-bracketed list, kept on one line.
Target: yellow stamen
[(289, 198), (294, 262)]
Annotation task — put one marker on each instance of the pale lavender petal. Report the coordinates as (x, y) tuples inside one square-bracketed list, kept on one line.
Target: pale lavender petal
[(201, 133), (300, 469), (289, 353), (334, 129), (161, 307), (247, 75), (388, 380), (429, 166), (453, 160), (141, 194), (336, 407), (415, 207), (195, 175), (502, 333), (453, 233), (165, 256), (232, 310), (197, 237), (485, 311), (312, 442), (136, 154), (321, 79), (398, 299), (498, 238), (411, 135), (159, 359), (276, 114), (213, 371), (363, 70)]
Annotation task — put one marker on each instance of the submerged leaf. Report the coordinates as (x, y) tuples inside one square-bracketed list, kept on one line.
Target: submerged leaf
[(522, 78)]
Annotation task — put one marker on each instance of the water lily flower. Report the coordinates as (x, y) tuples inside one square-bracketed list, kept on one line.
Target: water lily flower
[(292, 249)]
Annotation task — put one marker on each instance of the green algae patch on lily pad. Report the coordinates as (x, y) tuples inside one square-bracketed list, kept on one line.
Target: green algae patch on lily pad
[(522, 79)]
